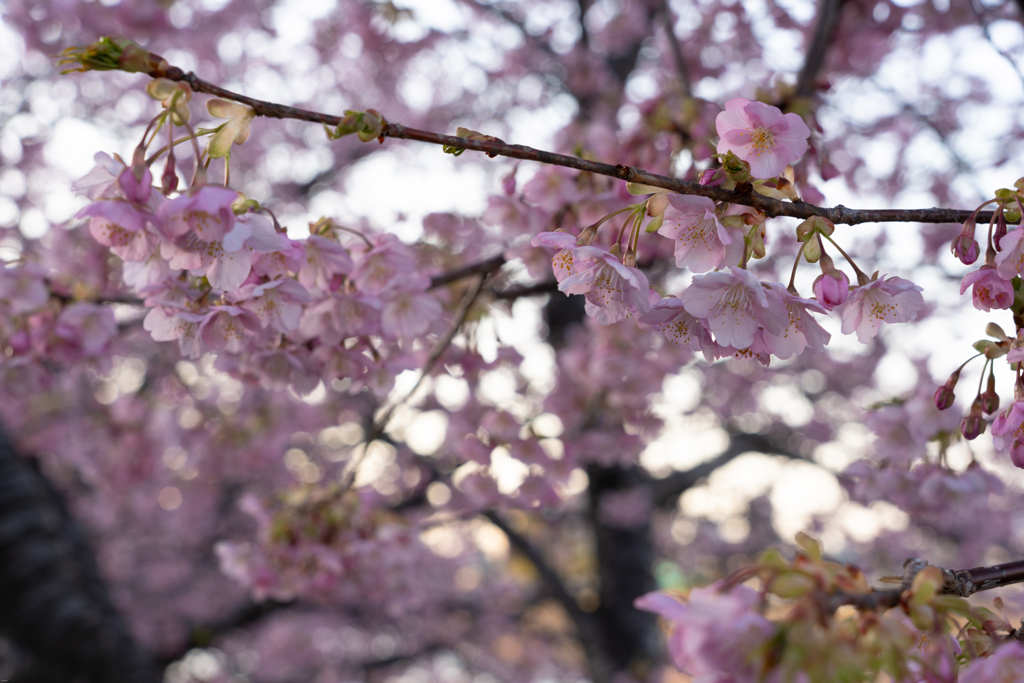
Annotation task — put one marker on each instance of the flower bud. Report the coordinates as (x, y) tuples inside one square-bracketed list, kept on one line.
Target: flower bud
[(944, 395), (169, 178), (735, 168), (832, 289), (990, 399), (1000, 230), (973, 425), (587, 235), (657, 204), (708, 177), (114, 53), (964, 246)]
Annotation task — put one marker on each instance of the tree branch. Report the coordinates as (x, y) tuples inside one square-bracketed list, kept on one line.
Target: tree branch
[(585, 626), (677, 49), (839, 215), (821, 39), (666, 491)]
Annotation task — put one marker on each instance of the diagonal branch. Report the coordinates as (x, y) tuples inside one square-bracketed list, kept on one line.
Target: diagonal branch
[(677, 49), (666, 491), (744, 196), (821, 39), (585, 625)]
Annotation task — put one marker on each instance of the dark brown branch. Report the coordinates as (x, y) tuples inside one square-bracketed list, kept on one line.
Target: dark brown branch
[(665, 492), (828, 18), (585, 626), (839, 215), (965, 582), (677, 49), (481, 268), (962, 582), (513, 293)]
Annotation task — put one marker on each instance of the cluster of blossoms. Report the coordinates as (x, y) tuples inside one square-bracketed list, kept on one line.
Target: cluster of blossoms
[(726, 311), (720, 633), (325, 543), (996, 285), (218, 275)]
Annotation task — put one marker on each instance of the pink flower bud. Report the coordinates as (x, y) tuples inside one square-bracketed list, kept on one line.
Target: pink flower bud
[(169, 178), (964, 246), (990, 399), (944, 397), (972, 427), (1000, 230), (832, 289)]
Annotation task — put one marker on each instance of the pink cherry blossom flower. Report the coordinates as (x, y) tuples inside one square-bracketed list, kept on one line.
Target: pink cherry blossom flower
[(832, 289), (224, 270), (262, 237), (407, 315), (609, 285), (1008, 432), (101, 181), (990, 290), (761, 135), (277, 304), (892, 300), (714, 634), (121, 226), (735, 304), (340, 317), (1003, 666), (281, 263), (324, 259), (389, 265), (169, 321), (227, 328), (207, 213), (757, 350), (562, 261), (701, 242), (136, 189), (1010, 259), (680, 328), (802, 331), (84, 329), (23, 289)]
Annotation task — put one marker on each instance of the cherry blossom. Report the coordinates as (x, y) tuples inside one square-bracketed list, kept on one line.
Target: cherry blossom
[(1008, 432), (735, 305), (680, 328), (989, 289), (883, 300), (23, 289), (611, 287), (701, 242), (277, 303), (714, 632), (802, 332), (562, 261), (761, 135)]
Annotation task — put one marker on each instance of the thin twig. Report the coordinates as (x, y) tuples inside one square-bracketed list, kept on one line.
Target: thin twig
[(839, 215), (460, 317)]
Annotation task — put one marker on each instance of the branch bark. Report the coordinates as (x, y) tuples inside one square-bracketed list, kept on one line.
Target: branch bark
[(53, 602), (821, 39), (839, 215), (585, 624)]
